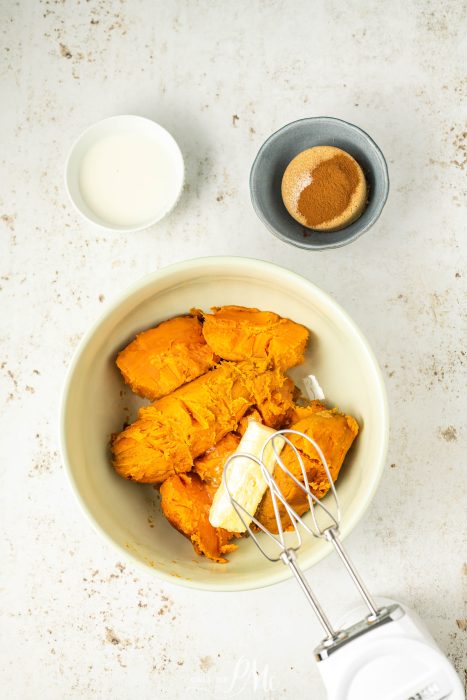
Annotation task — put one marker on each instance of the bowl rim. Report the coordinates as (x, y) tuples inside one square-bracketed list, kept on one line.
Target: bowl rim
[(310, 245), (150, 222), (278, 574)]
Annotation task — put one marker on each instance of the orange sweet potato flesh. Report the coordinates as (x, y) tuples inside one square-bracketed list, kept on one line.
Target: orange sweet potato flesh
[(185, 502), (252, 414), (238, 333), (273, 397), (163, 358), (201, 409), (334, 433), (300, 412), (172, 432), (210, 466)]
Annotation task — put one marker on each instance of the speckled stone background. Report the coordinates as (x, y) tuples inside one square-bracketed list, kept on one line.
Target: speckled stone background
[(77, 622)]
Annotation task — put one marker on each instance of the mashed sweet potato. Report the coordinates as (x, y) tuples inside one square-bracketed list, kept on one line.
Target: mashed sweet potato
[(210, 466), (163, 358), (208, 375), (334, 432), (176, 429), (185, 502), (237, 333)]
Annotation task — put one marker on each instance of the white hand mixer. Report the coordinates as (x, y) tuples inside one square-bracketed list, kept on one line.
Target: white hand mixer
[(379, 652)]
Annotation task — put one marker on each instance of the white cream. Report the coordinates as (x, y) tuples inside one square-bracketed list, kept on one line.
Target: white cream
[(128, 179)]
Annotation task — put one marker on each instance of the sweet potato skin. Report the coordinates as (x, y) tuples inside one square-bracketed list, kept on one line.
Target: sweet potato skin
[(185, 502), (176, 429), (163, 358), (237, 333), (334, 432)]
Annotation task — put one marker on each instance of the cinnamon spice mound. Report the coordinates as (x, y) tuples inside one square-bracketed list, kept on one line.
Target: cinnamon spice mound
[(324, 188), (333, 183)]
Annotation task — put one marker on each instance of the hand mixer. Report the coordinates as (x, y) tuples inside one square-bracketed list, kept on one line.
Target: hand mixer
[(380, 652)]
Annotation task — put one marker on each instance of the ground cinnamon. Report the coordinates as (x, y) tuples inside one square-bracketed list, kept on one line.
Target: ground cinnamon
[(333, 183)]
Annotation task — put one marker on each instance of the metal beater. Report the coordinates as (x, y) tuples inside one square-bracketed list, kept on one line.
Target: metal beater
[(386, 654)]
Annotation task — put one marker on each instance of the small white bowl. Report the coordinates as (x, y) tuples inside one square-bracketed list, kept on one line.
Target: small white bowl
[(96, 403), (119, 125)]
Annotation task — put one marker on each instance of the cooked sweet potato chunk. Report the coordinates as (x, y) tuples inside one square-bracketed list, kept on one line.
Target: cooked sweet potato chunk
[(176, 429), (273, 393), (185, 502), (334, 433), (300, 412), (237, 333), (201, 408), (163, 358), (252, 414), (210, 466), (150, 449)]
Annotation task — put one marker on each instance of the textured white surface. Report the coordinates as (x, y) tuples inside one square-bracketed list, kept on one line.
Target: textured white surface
[(77, 622)]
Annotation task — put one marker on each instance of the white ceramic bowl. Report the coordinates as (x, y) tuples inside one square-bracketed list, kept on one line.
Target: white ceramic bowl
[(135, 125), (96, 404)]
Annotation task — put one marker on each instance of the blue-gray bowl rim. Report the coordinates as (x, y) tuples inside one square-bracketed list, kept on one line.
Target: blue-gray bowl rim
[(324, 245)]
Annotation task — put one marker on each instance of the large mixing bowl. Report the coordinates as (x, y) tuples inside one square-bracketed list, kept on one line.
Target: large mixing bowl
[(96, 403)]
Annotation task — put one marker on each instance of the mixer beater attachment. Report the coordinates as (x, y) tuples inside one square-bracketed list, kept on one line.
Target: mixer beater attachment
[(324, 530), (363, 659)]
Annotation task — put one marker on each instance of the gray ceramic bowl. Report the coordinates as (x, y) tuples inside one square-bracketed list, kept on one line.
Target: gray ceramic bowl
[(276, 153)]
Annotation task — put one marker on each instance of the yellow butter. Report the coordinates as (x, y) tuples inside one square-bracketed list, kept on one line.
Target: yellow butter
[(245, 479)]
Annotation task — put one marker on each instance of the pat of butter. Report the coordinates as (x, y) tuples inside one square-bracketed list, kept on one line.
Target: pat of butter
[(312, 388), (245, 479)]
